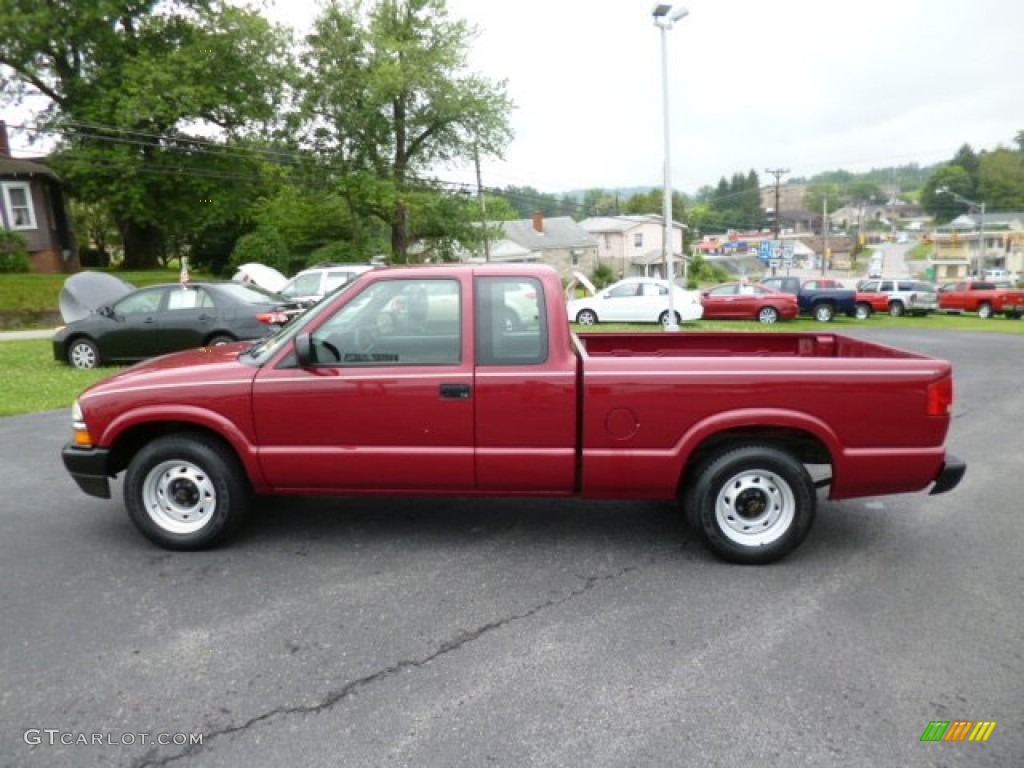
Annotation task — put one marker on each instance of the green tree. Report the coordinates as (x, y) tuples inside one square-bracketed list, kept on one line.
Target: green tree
[(945, 207), (1001, 179), (386, 96), (134, 91)]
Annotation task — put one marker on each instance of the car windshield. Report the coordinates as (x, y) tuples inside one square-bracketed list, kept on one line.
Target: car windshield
[(262, 351)]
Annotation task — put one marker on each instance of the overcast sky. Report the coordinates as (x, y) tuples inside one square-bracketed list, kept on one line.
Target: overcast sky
[(808, 85)]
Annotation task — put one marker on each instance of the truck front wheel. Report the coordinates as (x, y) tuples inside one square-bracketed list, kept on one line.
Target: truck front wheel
[(752, 505), (985, 310), (185, 492)]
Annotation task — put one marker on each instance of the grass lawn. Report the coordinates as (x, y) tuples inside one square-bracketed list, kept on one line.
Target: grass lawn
[(35, 292), (34, 381)]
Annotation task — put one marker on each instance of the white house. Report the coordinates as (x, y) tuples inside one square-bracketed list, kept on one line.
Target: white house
[(632, 245)]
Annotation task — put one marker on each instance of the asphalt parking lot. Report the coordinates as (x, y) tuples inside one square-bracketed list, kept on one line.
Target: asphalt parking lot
[(456, 632)]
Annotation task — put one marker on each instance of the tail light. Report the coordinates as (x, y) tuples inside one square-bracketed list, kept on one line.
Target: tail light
[(272, 318), (940, 397)]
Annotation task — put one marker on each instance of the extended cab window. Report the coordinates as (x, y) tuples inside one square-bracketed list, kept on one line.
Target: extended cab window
[(395, 322), (511, 324)]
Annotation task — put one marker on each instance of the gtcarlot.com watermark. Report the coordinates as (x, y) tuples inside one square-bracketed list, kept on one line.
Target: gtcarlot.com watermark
[(53, 737)]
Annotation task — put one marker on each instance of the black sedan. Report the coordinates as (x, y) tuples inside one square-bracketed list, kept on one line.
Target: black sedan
[(167, 318)]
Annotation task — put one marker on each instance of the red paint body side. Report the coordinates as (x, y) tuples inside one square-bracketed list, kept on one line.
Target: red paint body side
[(604, 415)]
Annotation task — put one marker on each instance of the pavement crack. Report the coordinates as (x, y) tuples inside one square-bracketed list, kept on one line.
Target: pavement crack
[(149, 760)]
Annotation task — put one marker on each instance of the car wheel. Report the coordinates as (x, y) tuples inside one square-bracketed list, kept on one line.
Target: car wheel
[(863, 311), (896, 309), (186, 492), (824, 312), (752, 504), (220, 338), (985, 310), (768, 315), (586, 317), (83, 353), (663, 318)]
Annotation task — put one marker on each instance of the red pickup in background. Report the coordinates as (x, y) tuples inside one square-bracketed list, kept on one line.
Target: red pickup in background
[(982, 297)]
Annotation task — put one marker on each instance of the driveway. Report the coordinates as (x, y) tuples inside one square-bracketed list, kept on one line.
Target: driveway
[(457, 632)]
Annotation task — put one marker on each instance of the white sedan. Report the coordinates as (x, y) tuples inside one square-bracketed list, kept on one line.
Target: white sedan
[(636, 300)]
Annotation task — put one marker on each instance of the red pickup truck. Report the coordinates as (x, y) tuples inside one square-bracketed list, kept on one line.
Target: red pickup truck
[(982, 297), (411, 381)]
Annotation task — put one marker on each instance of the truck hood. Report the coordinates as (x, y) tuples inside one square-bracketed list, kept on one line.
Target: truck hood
[(191, 368)]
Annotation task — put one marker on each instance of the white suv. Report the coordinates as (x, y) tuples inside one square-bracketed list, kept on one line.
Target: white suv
[(906, 296), (311, 285)]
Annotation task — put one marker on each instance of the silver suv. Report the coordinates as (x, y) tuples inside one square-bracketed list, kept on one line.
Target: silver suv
[(906, 296), (311, 285)]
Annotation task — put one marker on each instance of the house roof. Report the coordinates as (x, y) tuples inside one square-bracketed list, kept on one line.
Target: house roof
[(599, 224), (13, 166), (559, 232)]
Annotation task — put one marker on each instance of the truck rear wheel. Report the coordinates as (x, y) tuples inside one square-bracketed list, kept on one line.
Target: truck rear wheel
[(863, 311), (824, 312), (752, 505), (186, 492)]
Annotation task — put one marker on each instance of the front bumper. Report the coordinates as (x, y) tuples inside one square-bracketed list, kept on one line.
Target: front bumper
[(951, 474), (88, 468)]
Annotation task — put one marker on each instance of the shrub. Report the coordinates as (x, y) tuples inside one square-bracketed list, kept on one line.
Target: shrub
[(603, 275), (13, 252)]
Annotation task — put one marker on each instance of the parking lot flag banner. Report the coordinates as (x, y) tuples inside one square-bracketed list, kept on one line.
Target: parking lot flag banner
[(958, 730)]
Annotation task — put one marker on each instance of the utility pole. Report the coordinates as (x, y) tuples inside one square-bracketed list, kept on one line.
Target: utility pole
[(776, 172), (483, 204), (824, 232)]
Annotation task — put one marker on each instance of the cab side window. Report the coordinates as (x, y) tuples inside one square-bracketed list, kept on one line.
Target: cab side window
[(511, 321), (395, 322)]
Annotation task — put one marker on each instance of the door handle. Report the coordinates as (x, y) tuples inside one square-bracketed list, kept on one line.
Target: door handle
[(455, 391)]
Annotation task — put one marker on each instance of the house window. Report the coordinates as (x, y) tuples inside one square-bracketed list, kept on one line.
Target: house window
[(638, 240), (18, 206)]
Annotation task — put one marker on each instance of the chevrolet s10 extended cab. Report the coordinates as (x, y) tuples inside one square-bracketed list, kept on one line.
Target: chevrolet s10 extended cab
[(466, 380)]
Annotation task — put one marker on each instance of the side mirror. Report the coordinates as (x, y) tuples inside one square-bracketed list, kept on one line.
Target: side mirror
[(304, 350)]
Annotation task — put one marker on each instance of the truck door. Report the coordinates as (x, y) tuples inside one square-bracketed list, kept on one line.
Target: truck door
[(387, 403), (524, 392)]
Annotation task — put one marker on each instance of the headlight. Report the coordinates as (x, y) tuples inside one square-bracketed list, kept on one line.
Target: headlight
[(80, 432)]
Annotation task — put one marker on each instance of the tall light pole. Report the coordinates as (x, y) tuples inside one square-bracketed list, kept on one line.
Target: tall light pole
[(981, 225), (665, 16)]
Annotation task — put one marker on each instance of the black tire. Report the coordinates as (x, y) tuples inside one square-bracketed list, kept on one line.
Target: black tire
[(186, 492), (823, 312), (768, 315), (220, 338), (587, 317), (752, 504), (896, 309), (985, 311), (663, 318), (83, 353), (863, 311)]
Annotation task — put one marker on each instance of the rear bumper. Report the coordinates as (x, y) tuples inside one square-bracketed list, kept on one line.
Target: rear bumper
[(88, 468), (951, 474)]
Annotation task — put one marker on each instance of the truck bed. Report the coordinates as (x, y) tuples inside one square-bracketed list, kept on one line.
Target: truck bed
[(739, 344)]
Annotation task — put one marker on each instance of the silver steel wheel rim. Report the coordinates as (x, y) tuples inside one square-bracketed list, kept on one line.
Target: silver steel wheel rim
[(179, 496), (83, 356), (767, 316), (862, 312), (823, 314), (755, 508)]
